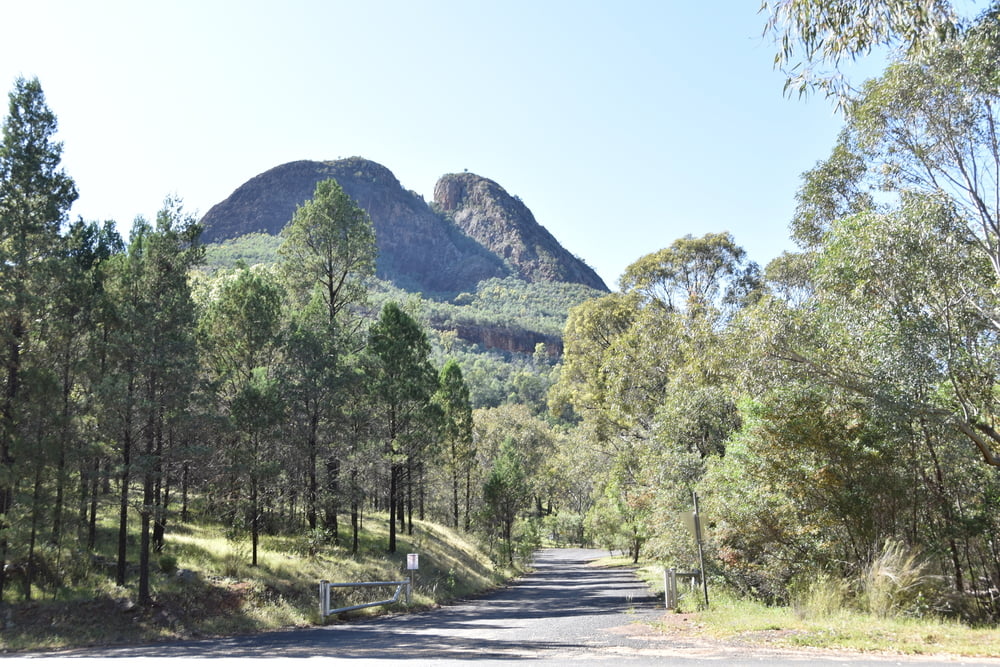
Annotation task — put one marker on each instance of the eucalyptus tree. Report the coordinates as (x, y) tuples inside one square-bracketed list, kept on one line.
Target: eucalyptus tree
[(328, 251), (893, 325), (400, 384), (916, 164), (873, 352), (815, 36), (536, 442), (694, 274), (35, 195), (647, 372), (505, 494)]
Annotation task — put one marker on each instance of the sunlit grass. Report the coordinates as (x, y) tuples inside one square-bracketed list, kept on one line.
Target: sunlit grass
[(845, 629), (210, 587), (820, 622)]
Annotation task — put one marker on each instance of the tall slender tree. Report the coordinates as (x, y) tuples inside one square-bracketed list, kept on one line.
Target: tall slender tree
[(401, 382), (327, 252), (35, 196), (153, 350), (241, 330), (457, 447)]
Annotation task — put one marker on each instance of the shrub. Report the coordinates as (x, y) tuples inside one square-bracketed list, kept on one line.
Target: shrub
[(167, 563)]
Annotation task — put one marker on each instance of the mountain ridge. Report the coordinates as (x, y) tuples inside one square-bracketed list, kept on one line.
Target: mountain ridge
[(472, 232)]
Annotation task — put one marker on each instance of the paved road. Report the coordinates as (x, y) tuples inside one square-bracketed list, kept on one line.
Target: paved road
[(563, 613)]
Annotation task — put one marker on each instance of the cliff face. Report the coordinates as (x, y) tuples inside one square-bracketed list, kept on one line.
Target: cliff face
[(504, 225), (417, 249), (479, 232)]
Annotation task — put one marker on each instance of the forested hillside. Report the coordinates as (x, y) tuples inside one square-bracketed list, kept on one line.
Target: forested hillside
[(836, 412)]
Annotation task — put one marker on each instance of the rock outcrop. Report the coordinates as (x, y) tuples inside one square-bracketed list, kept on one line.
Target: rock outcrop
[(504, 225), (477, 232)]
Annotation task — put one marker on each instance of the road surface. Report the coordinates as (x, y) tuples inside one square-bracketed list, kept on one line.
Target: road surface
[(564, 613)]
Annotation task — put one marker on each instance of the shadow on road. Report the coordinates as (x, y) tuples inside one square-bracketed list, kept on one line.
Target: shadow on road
[(557, 608)]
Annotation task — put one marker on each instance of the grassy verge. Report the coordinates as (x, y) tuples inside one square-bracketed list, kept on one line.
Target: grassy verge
[(206, 587), (755, 624)]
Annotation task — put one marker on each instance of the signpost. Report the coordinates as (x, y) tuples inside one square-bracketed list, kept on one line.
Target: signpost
[(693, 521), (701, 552), (412, 564)]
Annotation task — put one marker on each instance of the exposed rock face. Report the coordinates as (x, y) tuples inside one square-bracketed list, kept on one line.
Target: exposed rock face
[(417, 249), (508, 339), (504, 225), (484, 232)]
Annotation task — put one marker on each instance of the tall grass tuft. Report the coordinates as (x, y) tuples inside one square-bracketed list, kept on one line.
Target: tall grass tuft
[(819, 596), (895, 581)]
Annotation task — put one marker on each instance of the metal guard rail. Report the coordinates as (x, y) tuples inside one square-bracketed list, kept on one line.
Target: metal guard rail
[(324, 595)]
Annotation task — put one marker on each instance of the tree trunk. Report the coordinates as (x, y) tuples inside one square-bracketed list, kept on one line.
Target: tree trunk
[(148, 495), (454, 497), (184, 492), (7, 440), (392, 507), (333, 492), (468, 498), (409, 496), (92, 518), (161, 490), (354, 510), (421, 493), (147, 499), (63, 445), (123, 504), (312, 486), (254, 515), (29, 566)]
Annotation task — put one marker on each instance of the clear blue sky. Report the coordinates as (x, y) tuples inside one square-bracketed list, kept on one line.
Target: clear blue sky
[(622, 125)]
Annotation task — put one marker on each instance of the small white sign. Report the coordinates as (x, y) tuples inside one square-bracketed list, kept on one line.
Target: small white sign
[(412, 561)]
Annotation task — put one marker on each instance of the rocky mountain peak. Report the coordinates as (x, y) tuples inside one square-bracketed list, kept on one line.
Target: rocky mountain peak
[(503, 224), (477, 232)]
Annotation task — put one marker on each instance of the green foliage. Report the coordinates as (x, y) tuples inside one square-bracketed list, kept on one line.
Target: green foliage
[(823, 33), (693, 274), (35, 195), (329, 246), (505, 493), (249, 249)]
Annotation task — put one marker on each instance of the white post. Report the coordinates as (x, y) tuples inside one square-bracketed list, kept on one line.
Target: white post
[(670, 588), (324, 599), (412, 564)]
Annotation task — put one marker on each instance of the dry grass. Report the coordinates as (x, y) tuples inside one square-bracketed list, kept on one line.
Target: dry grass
[(785, 627), (214, 591), (825, 615)]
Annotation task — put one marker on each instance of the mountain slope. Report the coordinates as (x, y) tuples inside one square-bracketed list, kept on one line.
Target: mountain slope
[(418, 249), (504, 225), (482, 233)]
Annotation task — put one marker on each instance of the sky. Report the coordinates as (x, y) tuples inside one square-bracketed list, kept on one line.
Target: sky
[(623, 125)]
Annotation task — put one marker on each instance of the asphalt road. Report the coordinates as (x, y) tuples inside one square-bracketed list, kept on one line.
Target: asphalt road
[(563, 613)]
